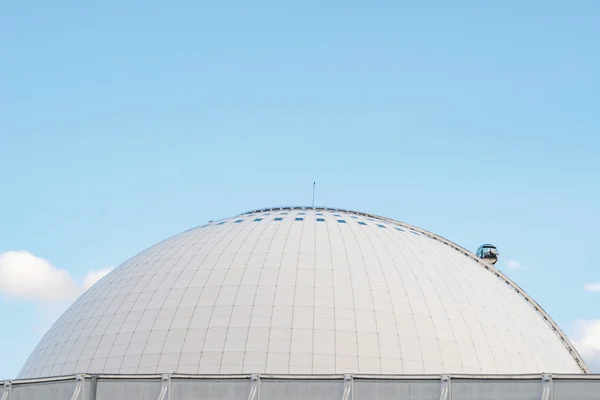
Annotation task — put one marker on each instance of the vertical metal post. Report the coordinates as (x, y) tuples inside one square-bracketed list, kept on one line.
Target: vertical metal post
[(79, 393), (348, 383), (446, 388), (254, 387), (547, 385), (165, 390), (6, 391), (93, 387)]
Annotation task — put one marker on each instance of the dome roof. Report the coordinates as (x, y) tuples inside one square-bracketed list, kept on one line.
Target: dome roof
[(304, 291)]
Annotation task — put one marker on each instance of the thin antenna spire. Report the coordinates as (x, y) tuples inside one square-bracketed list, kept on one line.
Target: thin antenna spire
[(313, 206)]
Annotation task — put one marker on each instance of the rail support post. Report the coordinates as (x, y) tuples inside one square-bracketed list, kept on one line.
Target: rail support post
[(348, 382), (79, 393), (165, 390), (6, 391), (254, 386), (547, 387), (445, 394)]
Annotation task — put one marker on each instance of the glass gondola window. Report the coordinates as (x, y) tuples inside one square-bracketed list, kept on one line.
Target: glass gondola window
[(488, 252)]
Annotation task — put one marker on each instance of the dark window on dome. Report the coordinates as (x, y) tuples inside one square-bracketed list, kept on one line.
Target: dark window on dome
[(319, 213), (258, 219), (238, 221), (320, 219), (278, 219), (299, 219), (361, 223), (353, 216), (336, 215), (400, 229), (381, 226), (283, 213), (416, 233), (341, 221), (221, 223), (301, 213)]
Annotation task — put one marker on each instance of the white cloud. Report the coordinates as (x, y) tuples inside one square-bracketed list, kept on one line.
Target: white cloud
[(587, 341), (24, 276), (94, 276), (514, 264), (592, 287)]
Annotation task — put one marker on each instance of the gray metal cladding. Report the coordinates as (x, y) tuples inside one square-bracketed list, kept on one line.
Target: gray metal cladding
[(392, 389), (139, 389), (309, 387), (569, 389), (209, 389), (58, 390), (503, 389), (293, 389)]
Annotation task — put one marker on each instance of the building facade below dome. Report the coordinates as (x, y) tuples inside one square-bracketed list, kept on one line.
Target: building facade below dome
[(304, 291), (305, 387)]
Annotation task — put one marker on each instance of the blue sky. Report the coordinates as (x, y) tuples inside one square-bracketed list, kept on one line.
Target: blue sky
[(121, 124)]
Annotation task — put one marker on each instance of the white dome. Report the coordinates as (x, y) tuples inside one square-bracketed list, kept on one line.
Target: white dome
[(303, 291)]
